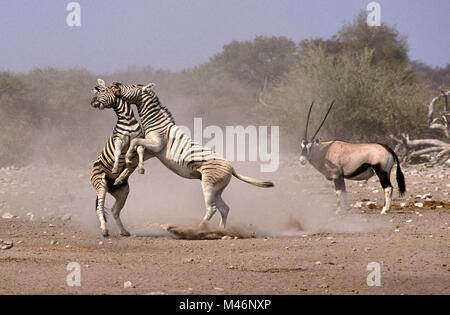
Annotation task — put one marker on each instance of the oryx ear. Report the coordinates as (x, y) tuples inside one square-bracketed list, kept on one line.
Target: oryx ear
[(101, 83), (303, 143)]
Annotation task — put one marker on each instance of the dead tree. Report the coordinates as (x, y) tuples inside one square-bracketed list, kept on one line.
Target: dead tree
[(421, 148)]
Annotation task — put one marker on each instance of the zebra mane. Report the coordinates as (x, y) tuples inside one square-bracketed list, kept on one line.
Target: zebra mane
[(155, 100)]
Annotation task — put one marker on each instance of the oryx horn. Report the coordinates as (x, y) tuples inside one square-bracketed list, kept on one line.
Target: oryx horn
[(307, 121), (323, 121)]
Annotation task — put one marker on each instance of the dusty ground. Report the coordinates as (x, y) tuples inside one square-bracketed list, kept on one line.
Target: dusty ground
[(300, 256)]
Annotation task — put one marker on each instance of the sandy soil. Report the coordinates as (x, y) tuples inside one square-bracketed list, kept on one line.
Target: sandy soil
[(53, 224)]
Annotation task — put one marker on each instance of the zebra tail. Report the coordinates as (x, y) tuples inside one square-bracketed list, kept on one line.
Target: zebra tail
[(253, 181)]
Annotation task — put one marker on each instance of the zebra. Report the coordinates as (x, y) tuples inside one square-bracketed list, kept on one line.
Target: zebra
[(339, 160), (177, 151), (112, 159)]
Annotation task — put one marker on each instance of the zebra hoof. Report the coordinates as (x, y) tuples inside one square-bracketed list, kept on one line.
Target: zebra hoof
[(141, 171), (115, 170), (125, 233), (105, 233), (117, 182)]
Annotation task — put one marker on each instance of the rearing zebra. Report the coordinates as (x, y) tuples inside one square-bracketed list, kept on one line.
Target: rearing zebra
[(179, 152), (112, 160)]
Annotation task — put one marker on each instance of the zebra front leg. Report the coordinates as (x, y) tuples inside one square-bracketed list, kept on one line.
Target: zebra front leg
[(119, 180), (120, 194), (140, 151), (152, 143), (118, 146), (341, 194)]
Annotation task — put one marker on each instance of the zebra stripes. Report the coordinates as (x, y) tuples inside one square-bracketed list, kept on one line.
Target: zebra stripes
[(112, 159), (177, 151)]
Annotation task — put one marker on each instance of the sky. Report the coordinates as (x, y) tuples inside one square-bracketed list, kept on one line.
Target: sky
[(177, 34)]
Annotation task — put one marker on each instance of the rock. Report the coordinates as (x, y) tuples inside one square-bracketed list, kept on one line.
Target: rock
[(358, 204), (128, 285), (66, 217), (418, 204), (8, 215), (6, 245)]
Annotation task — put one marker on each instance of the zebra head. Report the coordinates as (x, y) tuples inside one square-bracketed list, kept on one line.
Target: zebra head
[(104, 97), (130, 92), (308, 146)]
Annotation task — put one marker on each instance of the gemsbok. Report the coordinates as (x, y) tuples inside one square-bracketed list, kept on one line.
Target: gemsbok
[(339, 160)]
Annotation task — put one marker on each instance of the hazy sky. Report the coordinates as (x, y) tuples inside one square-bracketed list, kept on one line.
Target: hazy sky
[(175, 34)]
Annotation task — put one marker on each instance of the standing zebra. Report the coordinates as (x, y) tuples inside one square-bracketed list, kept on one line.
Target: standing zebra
[(112, 160), (179, 152)]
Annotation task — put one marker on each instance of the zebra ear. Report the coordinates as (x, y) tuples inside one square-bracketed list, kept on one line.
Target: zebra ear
[(149, 86), (101, 83)]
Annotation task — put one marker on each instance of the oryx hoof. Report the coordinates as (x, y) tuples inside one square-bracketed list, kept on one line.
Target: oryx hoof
[(125, 233), (384, 211), (141, 171)]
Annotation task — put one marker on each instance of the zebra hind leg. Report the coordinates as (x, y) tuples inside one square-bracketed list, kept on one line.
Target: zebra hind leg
[(223, 209), (100, 202), (120, 194)]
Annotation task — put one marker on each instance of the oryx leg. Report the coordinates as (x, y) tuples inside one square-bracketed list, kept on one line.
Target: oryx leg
[(100, 203), (341, 194), (118, 146), (120, 194), (153, 143), (385, 182)]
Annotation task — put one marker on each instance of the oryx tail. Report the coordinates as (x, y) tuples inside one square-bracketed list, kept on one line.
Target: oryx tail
[(252, 181), (399, 176)]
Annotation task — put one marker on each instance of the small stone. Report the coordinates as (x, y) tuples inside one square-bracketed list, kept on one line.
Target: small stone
[(227, 237), (6, 245), (396, 230), (324, 286), (53, 242), (68, 246), (51, 225), (409, 221), (128, 285), (66, 217), (376, 191), (318, 263), (404, 204), (100, 243), (418, 204)]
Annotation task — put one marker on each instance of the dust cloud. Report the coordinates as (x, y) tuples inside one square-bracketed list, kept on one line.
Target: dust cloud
[(52, 187)]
